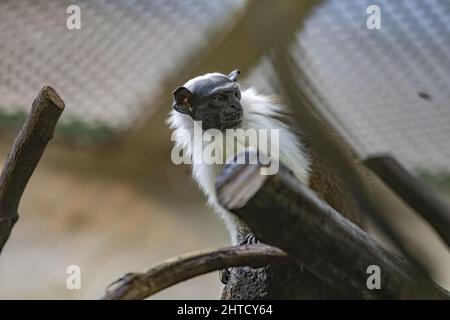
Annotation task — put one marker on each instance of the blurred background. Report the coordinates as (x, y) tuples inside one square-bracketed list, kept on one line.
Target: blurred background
[(106, 195)]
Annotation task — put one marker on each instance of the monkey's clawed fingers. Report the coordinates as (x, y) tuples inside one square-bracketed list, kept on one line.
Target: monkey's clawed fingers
[(224, 275), (250, 238)]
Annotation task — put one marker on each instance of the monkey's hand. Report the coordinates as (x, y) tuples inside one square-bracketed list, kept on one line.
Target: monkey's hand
[(224, 274), (249, 238)]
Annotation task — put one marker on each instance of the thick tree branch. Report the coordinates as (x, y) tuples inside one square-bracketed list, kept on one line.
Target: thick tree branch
[(304, 102), (25, 155), (285, 213), (173, 271)]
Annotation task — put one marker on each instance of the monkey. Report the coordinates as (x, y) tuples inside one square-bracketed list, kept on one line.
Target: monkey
[(219, 102)]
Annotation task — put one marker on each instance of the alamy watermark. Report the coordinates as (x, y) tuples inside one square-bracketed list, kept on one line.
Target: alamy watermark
[(374, 280), (373, 21), (73, 21), (213, 146), (73, 281)]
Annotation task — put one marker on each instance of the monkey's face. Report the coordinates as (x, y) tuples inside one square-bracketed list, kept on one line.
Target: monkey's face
[(213, 99)]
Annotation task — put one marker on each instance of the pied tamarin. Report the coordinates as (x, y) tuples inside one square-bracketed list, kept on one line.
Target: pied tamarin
[(217, 100)]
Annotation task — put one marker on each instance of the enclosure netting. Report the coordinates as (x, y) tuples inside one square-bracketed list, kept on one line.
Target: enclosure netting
[(387, 90), (111, 68)]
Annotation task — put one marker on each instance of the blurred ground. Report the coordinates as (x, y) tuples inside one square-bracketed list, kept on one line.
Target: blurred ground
[(107, 225)]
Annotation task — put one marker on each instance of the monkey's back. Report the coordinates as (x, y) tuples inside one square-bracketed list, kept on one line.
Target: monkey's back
[(330, 187)]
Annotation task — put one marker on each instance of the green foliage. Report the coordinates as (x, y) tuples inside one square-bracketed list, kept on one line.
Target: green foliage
[(67, 130), (77, 130), (439, 181), (12, 121)]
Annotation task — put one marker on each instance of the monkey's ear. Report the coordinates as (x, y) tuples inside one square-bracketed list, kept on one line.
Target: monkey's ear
[(234, 75), (183, 100)]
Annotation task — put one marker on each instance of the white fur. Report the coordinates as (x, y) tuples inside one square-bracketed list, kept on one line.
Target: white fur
[(258, 114)]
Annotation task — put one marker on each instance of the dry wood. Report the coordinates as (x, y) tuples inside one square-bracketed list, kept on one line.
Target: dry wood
[(285, 213), (25, 155), (303, 101), (173, 271)]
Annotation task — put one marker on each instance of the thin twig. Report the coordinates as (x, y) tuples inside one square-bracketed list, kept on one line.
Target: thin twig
[(142, 285)]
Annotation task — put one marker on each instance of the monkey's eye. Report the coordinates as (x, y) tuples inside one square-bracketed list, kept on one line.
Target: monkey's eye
[(218, 98)]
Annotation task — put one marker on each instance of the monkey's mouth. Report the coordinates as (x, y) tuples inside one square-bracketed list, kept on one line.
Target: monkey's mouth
[(232, 120)]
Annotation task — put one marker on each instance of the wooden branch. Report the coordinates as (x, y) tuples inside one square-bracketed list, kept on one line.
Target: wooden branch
[(285, 213), (173, 271), (413, 191), (336, 154), (25, 155)]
